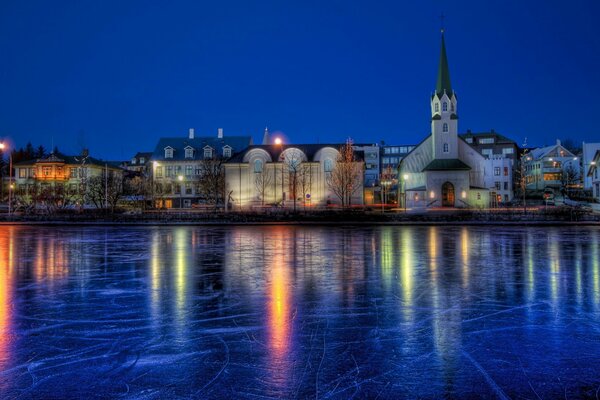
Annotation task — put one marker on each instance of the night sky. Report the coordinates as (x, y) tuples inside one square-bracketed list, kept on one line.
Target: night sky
[(116, 76)]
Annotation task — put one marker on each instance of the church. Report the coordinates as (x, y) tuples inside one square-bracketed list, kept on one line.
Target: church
[(443, 170)]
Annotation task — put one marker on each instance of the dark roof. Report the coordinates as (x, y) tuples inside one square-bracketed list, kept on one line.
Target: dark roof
[(417, 189), (237, 144), (71, 160), (274, 150), (145, 155), (500, 139), (450, 164), (478, 188), (443, 79)]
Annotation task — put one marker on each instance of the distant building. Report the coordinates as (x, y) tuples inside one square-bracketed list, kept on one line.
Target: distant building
[(443, 170), (548, 167), (177, 165), (370, 153), (58, 174), (492, 144), (589, 151), (139, 163)]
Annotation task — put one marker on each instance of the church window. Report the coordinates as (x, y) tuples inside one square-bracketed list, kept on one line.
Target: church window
[(258, 166), (437, 107), (445, 106), (452, 107), (446, 147), (445, 127)]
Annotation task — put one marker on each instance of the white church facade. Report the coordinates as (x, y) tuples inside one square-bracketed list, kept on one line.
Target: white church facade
[(443, 170)]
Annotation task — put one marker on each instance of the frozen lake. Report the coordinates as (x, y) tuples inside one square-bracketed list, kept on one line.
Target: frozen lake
[(257, 312)]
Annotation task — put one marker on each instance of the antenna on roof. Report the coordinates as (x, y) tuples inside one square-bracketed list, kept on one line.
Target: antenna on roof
[(442, 22)]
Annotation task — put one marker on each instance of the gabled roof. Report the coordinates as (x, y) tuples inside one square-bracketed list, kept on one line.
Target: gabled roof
[(541, 152), (69, 160), (178, 144), (447, 164), (499, 139)]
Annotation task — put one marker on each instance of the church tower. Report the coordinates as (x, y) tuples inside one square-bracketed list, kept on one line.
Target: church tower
[(444, 118)]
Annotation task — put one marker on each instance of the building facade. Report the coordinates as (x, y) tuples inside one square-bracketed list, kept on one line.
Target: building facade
[(290, 176), (178, 163), (588, 155), (443, 170)]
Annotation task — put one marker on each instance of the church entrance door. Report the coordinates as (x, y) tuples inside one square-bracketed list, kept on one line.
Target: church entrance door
[(447, 195)]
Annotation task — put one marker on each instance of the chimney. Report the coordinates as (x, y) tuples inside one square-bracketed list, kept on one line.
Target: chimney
[(85, 152), (558, 142), (220, 133), (191, 135)]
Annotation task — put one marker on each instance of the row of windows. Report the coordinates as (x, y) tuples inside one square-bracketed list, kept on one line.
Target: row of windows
[(50, 171), (327, 165), (497, 171), (398, 149), (142, 161), (499, 185), (190, 151)]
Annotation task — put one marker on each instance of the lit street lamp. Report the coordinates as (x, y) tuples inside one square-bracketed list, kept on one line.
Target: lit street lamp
[(10, 183), (404, 178), (180, 179), (279, 143)]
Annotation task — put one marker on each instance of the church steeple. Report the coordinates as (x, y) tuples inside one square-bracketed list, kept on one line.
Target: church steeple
[(443, 78)]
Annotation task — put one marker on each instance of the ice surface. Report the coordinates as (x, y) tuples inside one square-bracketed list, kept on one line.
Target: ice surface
[(299, 312)]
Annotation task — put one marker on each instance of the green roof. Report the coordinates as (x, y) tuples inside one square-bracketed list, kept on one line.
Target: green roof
[(443, 78), (447, 164)]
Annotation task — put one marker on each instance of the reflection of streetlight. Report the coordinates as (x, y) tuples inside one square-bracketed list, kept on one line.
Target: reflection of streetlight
[(154, 166), (180, 179), (404, 178)]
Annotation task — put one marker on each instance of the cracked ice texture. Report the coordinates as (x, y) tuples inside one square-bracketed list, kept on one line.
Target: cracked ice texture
[(299, 312)]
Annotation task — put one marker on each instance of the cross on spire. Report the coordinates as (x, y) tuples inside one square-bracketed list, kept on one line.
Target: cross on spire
[(442, 22)]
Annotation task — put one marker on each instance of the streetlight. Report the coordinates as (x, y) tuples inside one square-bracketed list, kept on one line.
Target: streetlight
[(405, 177), (10, 184), (180, 179), (279, 143)]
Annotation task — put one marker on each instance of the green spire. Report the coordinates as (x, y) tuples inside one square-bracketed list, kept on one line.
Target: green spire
[(443, 78)]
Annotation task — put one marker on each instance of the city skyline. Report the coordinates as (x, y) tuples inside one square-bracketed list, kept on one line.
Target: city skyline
[(313, 74)]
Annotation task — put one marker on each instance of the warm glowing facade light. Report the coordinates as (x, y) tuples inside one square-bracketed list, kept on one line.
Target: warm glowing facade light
[(180, 178), (432, 194), (463, 194), (278, 141), (405, 176)]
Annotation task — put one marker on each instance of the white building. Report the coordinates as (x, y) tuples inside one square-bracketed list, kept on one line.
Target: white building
[(285, 175), (499, 179), (589, 152), (545, 167), (594, 175), (443, 170)]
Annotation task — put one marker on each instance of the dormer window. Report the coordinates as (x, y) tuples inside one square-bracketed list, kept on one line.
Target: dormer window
[(208, 152), (133, 161), (168, 152), (189, 152), (226, 152), (446, 148), (437, 107), (142, 160), (445, 106), (445, 127)]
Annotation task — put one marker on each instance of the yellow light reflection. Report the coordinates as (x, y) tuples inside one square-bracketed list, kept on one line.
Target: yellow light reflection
[(181, 249), (554, 258), (464, 252), (7, 239), (387, 256), (279, 287), (155, 277), (407, 271)]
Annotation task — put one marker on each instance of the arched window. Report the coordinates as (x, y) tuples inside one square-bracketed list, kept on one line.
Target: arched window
[(445, 106), (452, 107), (446, 147), (445, 127), (328, 165), (437, 107), (258, 166)]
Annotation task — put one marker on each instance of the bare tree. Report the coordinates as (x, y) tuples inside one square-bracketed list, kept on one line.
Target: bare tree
[(305, 181), (262, 182), (103, 190), (344, 180), (212, 180), (569, 178), (138, 190), (293, 161)]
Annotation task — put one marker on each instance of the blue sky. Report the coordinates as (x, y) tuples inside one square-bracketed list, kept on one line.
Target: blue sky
[(116, 76)]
